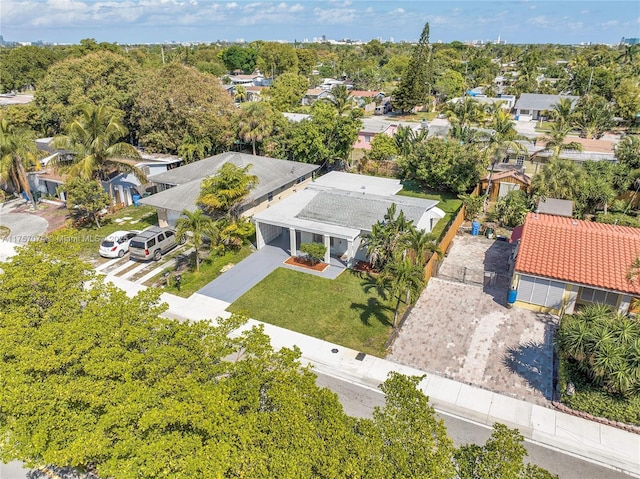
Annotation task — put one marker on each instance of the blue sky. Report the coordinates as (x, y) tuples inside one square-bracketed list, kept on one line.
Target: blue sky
[(155, 21)]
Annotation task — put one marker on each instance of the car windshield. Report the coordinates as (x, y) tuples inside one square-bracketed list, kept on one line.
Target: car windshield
[(136, 244), (107, 244)]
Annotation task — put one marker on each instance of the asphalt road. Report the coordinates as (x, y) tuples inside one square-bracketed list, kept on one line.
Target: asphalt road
[(359, 401)]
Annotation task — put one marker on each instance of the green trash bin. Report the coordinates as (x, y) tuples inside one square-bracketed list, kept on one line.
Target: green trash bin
[(489, 232)]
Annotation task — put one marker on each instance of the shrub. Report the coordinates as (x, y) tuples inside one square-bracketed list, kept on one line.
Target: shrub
[(511, 209), (472, 206), (314, 252), (618, 219)]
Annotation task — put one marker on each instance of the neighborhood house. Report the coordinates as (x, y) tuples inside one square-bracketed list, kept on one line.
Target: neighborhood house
[(337, 210)]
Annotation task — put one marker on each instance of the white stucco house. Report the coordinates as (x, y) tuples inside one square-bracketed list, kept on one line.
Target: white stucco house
[(338, 209)]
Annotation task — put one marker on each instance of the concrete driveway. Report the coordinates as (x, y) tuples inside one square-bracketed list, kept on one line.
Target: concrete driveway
[(24, 227), (465, 332), (233, 283)]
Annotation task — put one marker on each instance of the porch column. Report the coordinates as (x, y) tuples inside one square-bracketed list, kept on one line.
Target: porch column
[(293, 249), (350, 254), (259, 237), (327, 245)]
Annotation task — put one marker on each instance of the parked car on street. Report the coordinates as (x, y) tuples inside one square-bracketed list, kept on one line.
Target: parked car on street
[(116, 245), (153, 243)]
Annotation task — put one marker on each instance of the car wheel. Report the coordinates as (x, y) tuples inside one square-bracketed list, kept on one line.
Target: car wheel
[(120, 253), (157, 255)]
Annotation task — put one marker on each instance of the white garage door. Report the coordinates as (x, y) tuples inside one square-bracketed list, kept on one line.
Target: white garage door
[(543, 292)]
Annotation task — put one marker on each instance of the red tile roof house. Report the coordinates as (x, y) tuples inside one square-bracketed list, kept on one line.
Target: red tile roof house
[(562, 263)]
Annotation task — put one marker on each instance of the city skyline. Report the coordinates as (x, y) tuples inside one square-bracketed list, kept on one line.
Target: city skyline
[(160, 21)]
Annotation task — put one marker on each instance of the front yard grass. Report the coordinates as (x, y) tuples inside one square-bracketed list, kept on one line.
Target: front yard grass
[(347, 310), (191, 280)]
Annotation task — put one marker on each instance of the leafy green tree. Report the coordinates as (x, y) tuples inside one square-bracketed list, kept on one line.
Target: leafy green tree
[(286, 91), (87, 197), (222, 194), (24, 67), (99, 78), (18, 153), (450, 84), (176, 102), (627, 99), (502, 457), (326, 136), (413, 88), (473, 205), (512, 208), (445, 164), (240, 58), (407, 437), (307, 60), (277, 58), (94, 141), (383, 148), (199, 225), (628, 151), (314, 251), (235, 233)]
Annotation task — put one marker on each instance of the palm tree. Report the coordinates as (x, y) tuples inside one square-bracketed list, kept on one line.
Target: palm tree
[(559, 179), (562, 111), (194, 149), (18, 153), (93, 139), (241, 93), (464, 112), (222, 194), (199, 225), (555, 143), (255, 123), (340, 98), (401, 277), (420, 243)]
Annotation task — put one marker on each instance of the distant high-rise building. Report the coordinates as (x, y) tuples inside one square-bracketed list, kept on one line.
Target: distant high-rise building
[(624, 41)]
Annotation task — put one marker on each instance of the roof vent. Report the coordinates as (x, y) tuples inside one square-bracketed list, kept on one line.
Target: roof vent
[(536, 212), (574, 223), (363, 188)]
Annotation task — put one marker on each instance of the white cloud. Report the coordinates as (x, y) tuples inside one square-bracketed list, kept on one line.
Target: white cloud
[(231, 5), (540, 21), (610, 23)]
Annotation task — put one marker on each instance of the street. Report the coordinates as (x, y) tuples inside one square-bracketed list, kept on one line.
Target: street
[(359, 401)]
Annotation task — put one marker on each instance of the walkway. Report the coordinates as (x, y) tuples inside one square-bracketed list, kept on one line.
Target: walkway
[(24, 227), (233, 283)]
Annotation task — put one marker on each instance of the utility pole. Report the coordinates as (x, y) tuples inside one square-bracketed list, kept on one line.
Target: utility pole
[(162, 52), (590, 78)]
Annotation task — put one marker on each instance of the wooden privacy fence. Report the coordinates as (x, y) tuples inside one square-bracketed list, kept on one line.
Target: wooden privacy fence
[(450, 232)]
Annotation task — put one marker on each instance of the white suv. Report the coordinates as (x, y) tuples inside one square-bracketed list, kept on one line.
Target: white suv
[(116, 244)]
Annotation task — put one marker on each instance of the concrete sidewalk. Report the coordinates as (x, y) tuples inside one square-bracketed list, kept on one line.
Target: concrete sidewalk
[(586, 439)]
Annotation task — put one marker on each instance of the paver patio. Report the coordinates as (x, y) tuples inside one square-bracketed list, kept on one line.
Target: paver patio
[(466, 332)]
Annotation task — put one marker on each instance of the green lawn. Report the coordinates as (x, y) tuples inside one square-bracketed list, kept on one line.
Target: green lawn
[(346, 311), (447, 202), (89, 238), (192, 281)]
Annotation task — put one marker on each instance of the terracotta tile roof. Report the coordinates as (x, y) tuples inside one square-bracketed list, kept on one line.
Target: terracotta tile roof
[(577, 251), (593, 145), (364, 93)]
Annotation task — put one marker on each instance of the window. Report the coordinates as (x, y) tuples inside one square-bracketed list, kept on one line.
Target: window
[(151, 243), (316, 238), (524, 112), (592, 295), (301, 179), (367, 138), (270, 196), (520, 160), (169, 234), (160, 237), (543, 292)]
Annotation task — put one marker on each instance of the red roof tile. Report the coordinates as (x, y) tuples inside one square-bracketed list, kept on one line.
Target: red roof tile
[(577, 251)]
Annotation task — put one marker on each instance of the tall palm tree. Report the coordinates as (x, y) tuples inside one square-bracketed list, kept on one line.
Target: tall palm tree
[(555, 140), (464, 112), (562, 111), (255, 123), (199, 225), (420, 243), (18, 153), (401, 278), (94, 140)]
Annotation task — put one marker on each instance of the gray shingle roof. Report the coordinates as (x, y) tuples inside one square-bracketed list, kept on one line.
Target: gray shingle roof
[(272, 174), (361, 211), (539, 102)]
